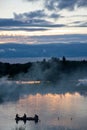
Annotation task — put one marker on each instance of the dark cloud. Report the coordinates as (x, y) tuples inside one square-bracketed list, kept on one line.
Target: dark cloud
[(22, 29), (34, 15), (30, 15), (29, 25), (10, 22), (37, 18), (55, 16), (78, 24), (31, 22), (64, 4), (26, 20)]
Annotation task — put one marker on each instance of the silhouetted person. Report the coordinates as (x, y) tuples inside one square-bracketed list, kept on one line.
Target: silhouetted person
[(36, 118), (17, 118), (17, 115), (24, 118)]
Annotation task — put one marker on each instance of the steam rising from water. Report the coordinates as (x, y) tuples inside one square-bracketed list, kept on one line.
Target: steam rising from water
[(82, 82), (12, 90), (48, 100)]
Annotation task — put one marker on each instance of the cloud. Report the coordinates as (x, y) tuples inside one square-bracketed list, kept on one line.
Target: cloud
[(33, 18), (16, 22), (12, 49), (31, 0), (84, 16), (10, 22), (28, 19), (55, 16), (64, 4), (38, 17), (40, 40), (83, 24), (30, 15), (81, 3), (2, 50), (18, 28), (78, 24)]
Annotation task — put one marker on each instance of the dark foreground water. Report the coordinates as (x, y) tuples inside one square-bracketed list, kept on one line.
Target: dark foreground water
[(56, 112)]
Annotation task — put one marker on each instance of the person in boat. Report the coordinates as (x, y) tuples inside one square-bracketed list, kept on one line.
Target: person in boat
[(24, 117), (36, 118), (17, 116)]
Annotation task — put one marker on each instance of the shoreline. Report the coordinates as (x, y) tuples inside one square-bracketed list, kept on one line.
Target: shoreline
[(35, 59)]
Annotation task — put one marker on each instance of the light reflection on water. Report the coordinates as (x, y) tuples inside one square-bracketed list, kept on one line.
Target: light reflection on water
[(71, 109), (28, 82)]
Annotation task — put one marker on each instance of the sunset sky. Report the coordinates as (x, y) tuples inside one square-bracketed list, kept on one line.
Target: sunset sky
[(27, 21)]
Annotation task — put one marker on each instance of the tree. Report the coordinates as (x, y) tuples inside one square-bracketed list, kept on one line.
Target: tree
[(63, 59)]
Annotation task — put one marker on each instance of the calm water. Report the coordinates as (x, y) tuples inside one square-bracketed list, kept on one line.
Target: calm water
[(56, 112)]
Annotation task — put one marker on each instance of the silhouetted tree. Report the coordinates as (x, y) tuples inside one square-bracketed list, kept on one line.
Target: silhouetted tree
[(63, 59)]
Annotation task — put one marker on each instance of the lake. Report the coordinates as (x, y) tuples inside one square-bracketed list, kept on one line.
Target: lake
[(56, 110)]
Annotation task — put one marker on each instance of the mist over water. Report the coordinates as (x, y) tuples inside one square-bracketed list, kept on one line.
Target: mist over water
[(13, 90), (60, 99), (56, 109)]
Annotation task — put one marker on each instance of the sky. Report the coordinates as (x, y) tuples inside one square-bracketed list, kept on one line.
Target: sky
[(22, 21)]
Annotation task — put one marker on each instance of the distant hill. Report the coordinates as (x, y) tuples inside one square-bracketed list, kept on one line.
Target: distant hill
[(14, 50)]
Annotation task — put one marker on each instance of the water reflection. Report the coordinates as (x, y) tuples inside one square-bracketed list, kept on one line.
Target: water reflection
[(20, 128), (56, 111), (28, 82)]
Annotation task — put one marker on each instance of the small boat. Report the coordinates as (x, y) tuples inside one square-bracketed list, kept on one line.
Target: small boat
[(25, 118)]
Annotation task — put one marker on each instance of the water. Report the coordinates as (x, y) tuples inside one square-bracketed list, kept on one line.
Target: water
[(56, 111)]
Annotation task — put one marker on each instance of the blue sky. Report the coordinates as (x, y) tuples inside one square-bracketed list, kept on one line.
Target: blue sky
[(22, 21)]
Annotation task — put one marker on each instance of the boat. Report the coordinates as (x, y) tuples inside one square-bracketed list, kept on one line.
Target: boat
[(25, 118)]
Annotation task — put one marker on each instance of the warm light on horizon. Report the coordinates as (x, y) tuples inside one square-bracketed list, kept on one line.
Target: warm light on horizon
[(54, 31), (36, 37)]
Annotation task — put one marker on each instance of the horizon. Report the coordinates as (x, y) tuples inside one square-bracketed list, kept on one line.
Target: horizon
[(21, 53)]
